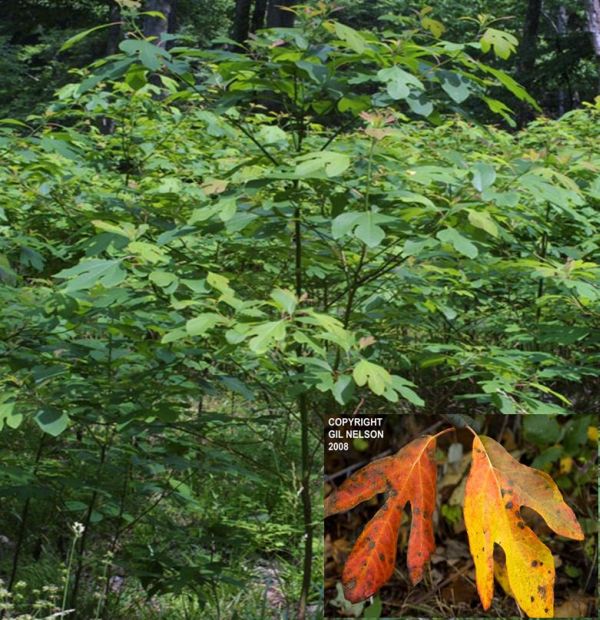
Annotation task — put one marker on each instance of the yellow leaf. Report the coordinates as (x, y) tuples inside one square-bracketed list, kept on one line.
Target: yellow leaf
[(497, 487), (566, 465), (502, 577), (592, 434)]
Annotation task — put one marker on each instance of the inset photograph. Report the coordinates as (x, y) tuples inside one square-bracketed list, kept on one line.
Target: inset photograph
[(458, 516)]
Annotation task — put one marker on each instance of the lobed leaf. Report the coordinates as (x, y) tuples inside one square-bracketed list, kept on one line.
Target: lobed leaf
[(407, 477), (497, 487)]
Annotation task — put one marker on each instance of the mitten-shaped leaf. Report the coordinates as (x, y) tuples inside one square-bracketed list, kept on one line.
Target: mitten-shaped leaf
[(408, 476), (497, 487)]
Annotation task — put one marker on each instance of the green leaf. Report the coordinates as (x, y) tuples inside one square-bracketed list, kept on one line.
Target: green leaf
[(14, 122), (576, 434), (148, 252), (484, 176), (547, 390), (91, 272), (414, 248), (461, 244), (377, 377), (158, 14), (285, 299), (332, 327), (127, 230), (399, 82), (368, 231), (221, 283), (481, 219), (52, 421), (151, 56), (455, 85), (512, 85), (547, 457), (239, 387), (504, 43), (60, 144), (419, 104), (7, 412), (136, 77), (374, 610), (266, 335), (164, 279), (343, 389), (541, 430), (82, 35), (330, 162), (499, 107), (271, 134), (344, 223), (174, 335), (354, 104), (354, 39), (437, 29), (199, 325), (404, 388)]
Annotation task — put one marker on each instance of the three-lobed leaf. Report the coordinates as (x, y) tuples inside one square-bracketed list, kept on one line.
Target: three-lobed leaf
[(497, 487)]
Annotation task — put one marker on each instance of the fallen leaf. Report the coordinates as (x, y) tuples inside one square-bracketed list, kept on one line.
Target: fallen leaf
[(458, 591), (346, 607), (576, 606), (454, 473), (497, 487), (458, 495), (408, 476), (508, 440)]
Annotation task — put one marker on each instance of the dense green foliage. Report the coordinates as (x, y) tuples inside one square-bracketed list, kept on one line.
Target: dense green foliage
[(202, 252), (565, 71)]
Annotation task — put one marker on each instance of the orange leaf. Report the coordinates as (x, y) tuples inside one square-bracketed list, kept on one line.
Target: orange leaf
[(408, 476), (497, 487)]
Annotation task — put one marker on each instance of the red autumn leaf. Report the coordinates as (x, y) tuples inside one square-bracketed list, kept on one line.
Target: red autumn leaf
[(408, 476), (497, 487)]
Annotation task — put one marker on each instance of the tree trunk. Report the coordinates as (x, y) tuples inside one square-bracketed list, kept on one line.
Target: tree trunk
[(527, 53), (241, 21), (155, 26), (115, 33), (592, 8), (258, 17), (565, 99), (278, 16)]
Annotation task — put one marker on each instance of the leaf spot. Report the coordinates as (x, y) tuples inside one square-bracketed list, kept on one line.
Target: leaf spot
[(542, 591), (508, 505)]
